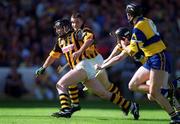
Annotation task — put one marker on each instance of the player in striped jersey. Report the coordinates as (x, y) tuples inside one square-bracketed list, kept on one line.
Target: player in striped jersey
[(73, 89), (82, 68), (157, 67), (80, 27), (119, 54)]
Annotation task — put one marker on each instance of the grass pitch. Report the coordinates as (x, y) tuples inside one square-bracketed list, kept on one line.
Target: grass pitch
[(92, 112)]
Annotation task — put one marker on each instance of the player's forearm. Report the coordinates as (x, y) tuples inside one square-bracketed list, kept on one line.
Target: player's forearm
[(113, 53), (110, 63), (114, 60), (86, 45), (48, 61)]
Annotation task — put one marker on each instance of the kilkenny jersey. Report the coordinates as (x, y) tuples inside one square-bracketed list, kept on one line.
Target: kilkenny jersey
[(146, 37), (70, 44)]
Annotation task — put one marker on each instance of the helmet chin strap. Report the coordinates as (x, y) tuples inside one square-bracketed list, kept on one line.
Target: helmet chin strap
[(131, 20)]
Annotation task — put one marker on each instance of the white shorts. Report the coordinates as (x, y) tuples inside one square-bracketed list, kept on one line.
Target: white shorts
[(88, 65)]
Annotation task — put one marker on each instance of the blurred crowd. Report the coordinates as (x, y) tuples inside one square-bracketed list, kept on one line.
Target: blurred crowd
[(27, 34)]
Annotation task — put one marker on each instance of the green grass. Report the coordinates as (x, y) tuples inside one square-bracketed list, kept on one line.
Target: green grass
[(92, 112)]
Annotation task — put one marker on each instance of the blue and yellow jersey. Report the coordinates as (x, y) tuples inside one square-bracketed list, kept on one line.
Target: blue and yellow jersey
[(70, 44), (146, 37)]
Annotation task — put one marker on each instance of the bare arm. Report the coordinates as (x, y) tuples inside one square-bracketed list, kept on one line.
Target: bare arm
[(88, 41), (113, 61), (86, 45), (49, 61), (113, 53)]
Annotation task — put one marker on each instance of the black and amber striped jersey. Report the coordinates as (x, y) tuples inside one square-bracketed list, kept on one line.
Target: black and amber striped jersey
[(72, 43)]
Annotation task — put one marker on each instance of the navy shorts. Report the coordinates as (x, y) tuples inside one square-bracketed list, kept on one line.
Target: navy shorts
[(159, 61)]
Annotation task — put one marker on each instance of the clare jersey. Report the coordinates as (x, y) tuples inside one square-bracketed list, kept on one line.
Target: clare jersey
[(146, 37), (70, 44), (138, 58)]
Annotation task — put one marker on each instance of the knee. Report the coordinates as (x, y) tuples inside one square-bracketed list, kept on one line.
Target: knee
[(132, 86), (59, 86), (153, 94)]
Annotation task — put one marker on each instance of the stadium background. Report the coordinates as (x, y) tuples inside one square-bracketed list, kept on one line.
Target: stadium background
[(27, 36)]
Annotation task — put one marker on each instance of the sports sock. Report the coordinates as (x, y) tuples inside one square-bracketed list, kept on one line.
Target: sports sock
[(73, 93), (120, 101), (64, 101), (114, 89)]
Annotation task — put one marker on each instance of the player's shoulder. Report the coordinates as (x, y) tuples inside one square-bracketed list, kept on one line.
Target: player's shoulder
[(142, 24), (86, 28)]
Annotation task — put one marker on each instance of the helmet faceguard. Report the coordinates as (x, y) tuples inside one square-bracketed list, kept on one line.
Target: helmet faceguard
[(122, 32), (62, 27)]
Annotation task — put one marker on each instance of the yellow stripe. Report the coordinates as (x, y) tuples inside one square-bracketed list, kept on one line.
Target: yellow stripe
[(70, 52), (64, 106), (73, 92), (63, 97), (111, 86), (127, 104), (122, 101), (75, 47), (115, 91), (66, 55), (116, 99), (74, 96), (73, 86), (118, 93), (75, 101), (54, 54), (153, 48), (63, 101)]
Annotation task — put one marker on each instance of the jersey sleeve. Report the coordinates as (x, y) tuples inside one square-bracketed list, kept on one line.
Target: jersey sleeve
[(88, 36), (56, 51)]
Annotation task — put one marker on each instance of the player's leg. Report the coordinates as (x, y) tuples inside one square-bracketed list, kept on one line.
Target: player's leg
[(167, 90), (73, 92), (137, 83), (103, 78), (74, 98), (171, 95), (71, 78), (125, 104), (101, 91), (157, 77), (176, 105)]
